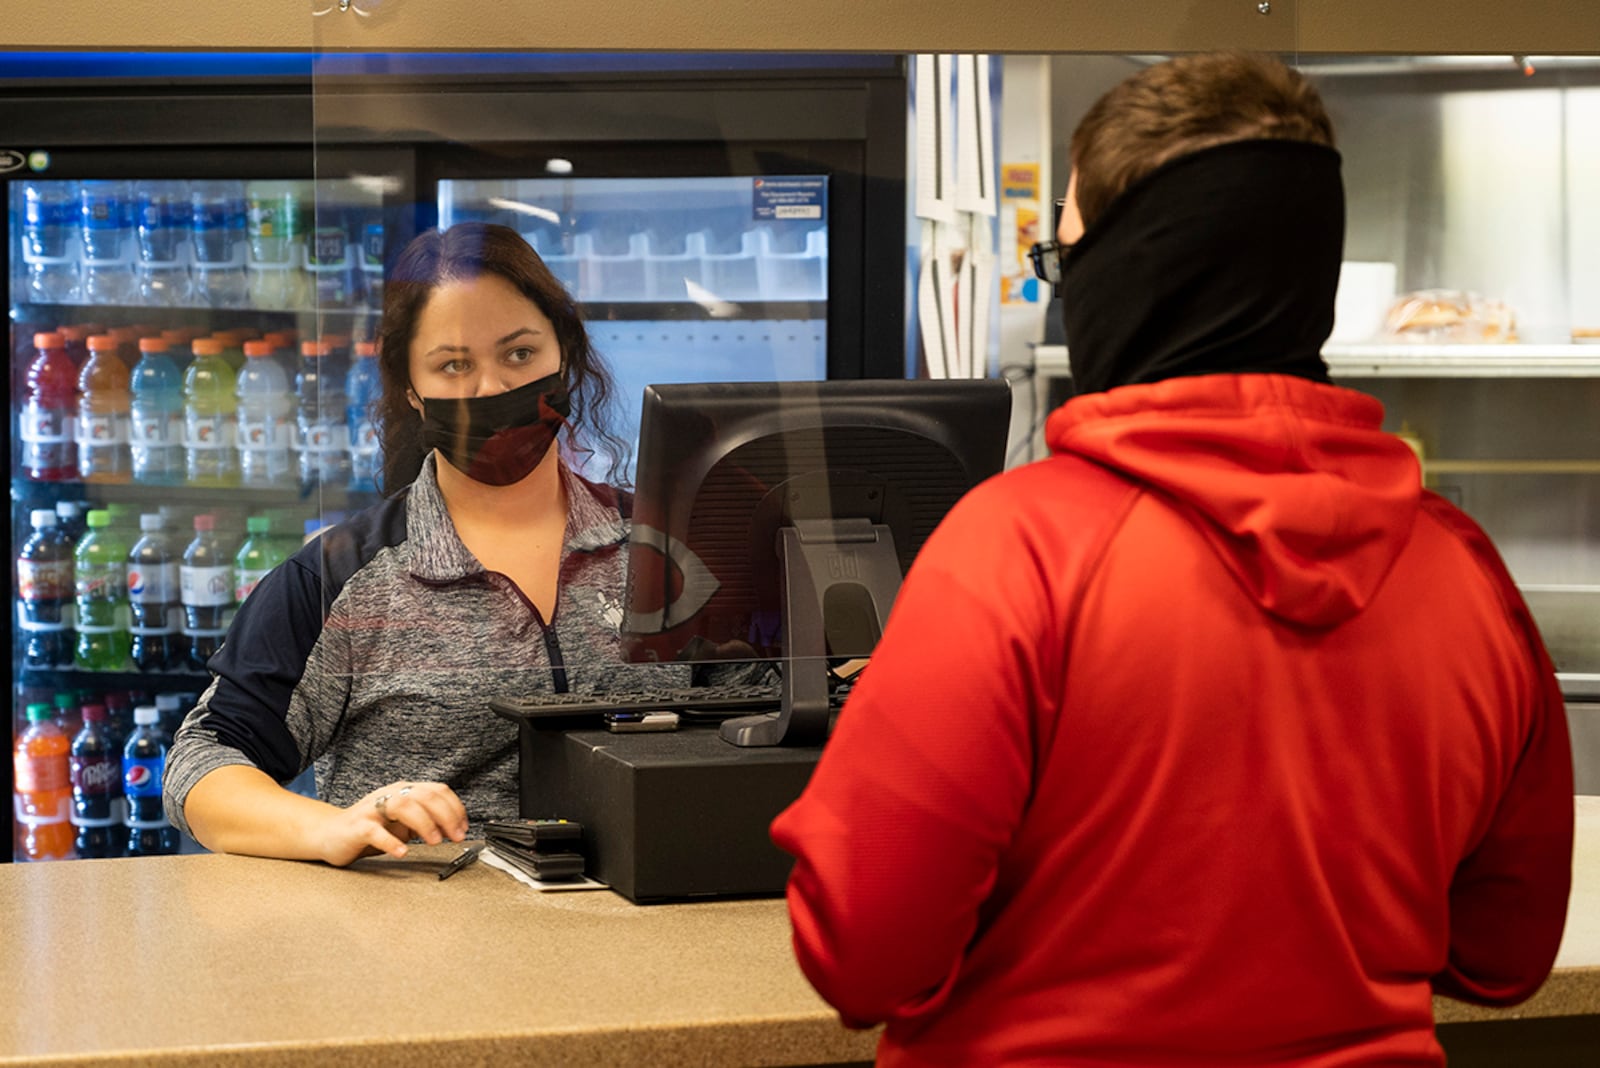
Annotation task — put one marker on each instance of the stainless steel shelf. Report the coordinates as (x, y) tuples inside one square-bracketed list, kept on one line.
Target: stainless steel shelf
[(1418, 361)]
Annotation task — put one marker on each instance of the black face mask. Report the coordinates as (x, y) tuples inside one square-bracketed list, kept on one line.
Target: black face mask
[(1224, 261), (497, 440)]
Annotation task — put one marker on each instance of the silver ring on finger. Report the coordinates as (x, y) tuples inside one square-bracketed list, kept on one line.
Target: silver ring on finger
[(404, 790), (381, 803)]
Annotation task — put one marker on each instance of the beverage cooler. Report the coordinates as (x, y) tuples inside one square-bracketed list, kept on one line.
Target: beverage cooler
[(195, 250)]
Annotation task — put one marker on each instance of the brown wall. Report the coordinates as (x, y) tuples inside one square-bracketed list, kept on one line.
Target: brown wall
[(1423, 26)]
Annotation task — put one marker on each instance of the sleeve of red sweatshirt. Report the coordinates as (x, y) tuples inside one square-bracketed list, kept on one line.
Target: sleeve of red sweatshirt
[(1508, 899), (898, 835)]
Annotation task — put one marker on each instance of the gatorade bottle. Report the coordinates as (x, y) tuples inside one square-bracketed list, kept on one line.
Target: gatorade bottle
[(208, 417), (155, 429), (266, 427), (43, 787), (103, 409), (144, 766), (49, 407), (362, 387), (153, 598), (323, 434), (101, 582), (259, 554), (96, 773), (205, 579), (77, 337), (44, 590)]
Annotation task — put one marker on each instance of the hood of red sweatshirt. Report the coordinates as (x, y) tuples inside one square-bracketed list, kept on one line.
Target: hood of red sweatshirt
[(1294, 483)]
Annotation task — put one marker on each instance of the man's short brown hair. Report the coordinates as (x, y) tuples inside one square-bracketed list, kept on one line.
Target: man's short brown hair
[(1184, 105)]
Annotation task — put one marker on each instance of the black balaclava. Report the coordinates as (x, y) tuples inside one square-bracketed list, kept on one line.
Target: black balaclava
[(1221, 261), (499, 439)]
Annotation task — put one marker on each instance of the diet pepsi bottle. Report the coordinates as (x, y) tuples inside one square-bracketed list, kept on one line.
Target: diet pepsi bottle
[(144, 766)]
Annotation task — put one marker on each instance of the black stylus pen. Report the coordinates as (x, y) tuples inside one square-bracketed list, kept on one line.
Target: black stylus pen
[(468, 855)]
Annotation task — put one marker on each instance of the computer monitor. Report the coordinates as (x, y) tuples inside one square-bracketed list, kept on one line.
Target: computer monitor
[(774, 520)]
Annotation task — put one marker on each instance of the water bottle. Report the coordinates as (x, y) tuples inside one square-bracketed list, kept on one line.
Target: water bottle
[(162, 216), (100, 580), (144, 767), (155, 427), (266, 419), (154, 604), (95, 768), (49, 409), (362, 387), (277, 235), (43, 787), (259, 554), (205, 581), (106, 211), (324, 436), (329, 259), (44, 594), (209, 417), (217, 220), (372, 260), (50, 240), (104, 403)]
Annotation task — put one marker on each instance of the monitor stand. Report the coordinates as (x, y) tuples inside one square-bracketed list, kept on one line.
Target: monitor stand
[(839, 578)]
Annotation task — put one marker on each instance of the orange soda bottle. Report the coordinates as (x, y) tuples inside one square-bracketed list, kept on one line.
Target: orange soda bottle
[(44, 787)]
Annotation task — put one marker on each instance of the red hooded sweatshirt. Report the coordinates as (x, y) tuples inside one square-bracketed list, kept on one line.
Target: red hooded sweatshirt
[(1210, 740)]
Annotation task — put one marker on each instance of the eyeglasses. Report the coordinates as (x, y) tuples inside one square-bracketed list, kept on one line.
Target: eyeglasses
[(1046, 255), (1046, 258)]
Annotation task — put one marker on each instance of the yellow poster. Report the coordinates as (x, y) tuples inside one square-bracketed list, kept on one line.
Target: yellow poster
[(1019, 231)]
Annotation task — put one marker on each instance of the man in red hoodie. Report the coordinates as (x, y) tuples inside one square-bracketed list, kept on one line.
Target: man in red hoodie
[(1213, 739)]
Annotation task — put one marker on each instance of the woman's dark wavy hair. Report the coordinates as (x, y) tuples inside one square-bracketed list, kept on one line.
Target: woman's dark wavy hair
[(466, 251)]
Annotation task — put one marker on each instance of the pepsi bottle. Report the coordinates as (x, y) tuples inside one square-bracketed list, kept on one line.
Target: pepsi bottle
[(144, 766)]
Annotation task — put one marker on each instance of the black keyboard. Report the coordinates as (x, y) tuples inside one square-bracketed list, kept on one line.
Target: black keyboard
[(708, 701)]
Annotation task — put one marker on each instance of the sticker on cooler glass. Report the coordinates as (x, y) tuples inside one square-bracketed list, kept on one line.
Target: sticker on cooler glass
[(207, 431), (141, 776), (44, 424), (168, 431), (206, 587), (108, 429), (789, 198)]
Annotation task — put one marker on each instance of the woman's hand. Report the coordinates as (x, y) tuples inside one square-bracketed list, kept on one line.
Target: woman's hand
[(390, 816)]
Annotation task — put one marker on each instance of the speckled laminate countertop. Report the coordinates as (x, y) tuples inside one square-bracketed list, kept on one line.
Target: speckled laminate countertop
[(216, 960)]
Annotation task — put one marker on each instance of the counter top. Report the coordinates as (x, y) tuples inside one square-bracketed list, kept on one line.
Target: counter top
[(221, 960)]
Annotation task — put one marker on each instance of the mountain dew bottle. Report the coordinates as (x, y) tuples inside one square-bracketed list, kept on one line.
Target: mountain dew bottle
[(100, 575), (209, 417)]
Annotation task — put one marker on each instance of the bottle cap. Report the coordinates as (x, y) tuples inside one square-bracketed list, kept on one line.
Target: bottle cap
[(205, 522), (38, 713), (103, 343), (94, 713), (169, 702), (207, 346), (65, 700), (50, 340), (258, 524), (67, 509), (42, 517), (315, 348), (98, 518), (150, 521), (257, 349), (152, 344), (147, 715)]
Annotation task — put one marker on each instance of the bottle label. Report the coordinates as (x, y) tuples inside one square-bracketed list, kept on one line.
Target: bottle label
[(327, 247), (207, 431), (327, 437), (206, 587), (245, 581), (141, 776), (29, 815), (153, 583), (156, 429), (36, 776), (41, 581), (107, 429), (366, 437), (101, 582), (262, 435), (47, 425), (97, 776)]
